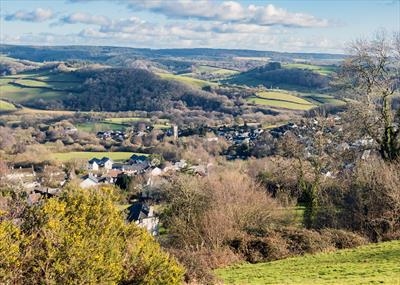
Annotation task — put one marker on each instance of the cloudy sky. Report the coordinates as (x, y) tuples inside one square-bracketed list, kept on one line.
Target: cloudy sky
[(293, 26)]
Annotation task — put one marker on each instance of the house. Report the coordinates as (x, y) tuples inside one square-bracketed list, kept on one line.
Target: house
[(131, 169), (138, 159), (143, 216), (95, 164), (92, 181), (89, 181)]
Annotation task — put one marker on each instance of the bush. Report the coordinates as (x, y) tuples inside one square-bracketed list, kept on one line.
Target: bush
[(342, 239), (81, 237)]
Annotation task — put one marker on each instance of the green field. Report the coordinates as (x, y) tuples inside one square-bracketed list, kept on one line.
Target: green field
[(321, 69), (100, 126), (323, 99), (280, 100), (119, 124), (283, 96), (371, 264), (5, 106), (34, 85), (116, 156), (215, 70), (187, 80), (124, 120)]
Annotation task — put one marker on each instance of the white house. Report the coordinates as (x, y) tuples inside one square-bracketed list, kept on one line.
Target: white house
[(95, 164)]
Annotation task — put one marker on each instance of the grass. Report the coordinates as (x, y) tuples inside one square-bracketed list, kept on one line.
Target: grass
[(215, 70), (34, 85), (119, 124), (187, 80), (123, 120), (371, 264), (116, 156), (280, 99), (321, 69), (283, 96), (5, 106), (100, 126), (323, 99)]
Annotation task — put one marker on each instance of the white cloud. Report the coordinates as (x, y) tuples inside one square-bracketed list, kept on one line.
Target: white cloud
[(84, 18), (231, 11), (38, 15)]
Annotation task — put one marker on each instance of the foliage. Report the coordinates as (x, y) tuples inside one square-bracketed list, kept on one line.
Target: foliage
[(81, 238)]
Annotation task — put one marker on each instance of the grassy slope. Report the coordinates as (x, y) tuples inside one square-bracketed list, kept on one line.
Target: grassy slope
[(5, 106), (116, 156), (36, 85), (280, 100), (372, 264), (321, 69), (188, 80)]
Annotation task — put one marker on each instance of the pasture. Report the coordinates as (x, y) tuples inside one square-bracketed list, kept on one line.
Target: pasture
[(6, 106), (280, 99), (371, 264), (198, 83), (86, 155), (321, 69), (37, 85), (323, 99)]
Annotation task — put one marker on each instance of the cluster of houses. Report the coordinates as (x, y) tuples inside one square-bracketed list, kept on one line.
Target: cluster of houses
[(118, 136)]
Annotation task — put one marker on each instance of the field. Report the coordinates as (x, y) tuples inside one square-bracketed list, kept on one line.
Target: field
[(119, 124), (371, 264), (5, 106), (35, 85), (94, 127), (215, 70), (323, 99), (116, 156), (187, 80), (280, 100), (321, 69)]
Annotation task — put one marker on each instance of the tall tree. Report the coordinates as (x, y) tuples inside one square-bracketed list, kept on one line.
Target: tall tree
[(371, 76)]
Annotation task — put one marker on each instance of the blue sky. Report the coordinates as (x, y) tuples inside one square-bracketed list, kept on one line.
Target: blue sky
[(292, 26)]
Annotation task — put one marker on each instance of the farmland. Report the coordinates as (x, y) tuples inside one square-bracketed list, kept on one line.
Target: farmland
[(6, 106), (120, 124), (371, 264), (187, 80), (116, 156), (36, 85), (280, 100), (321, 69)]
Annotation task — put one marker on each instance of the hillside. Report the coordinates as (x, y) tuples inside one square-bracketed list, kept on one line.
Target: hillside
[(290, 77), (372, 264), (103, 90)]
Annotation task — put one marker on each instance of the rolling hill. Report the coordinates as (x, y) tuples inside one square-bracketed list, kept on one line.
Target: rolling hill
[(371, 264)]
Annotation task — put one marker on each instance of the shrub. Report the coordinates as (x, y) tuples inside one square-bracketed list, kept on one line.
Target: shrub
[(81, 237)]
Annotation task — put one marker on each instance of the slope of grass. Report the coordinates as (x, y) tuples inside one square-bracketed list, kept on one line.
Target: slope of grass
[(187, 80), (37, 84), (283, 96), (323, 99), (215, 70), (6, 106), (321, 69), (100, 126), (280, 100), (371, 264), (116, 156)]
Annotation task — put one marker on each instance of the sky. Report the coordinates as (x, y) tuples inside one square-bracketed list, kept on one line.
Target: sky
[(288, 26)]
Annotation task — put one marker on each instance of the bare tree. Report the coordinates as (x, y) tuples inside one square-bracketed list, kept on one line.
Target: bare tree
[(371, 76)]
